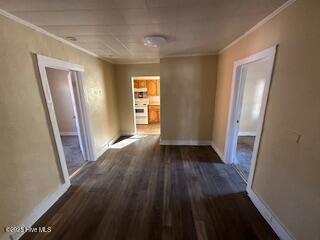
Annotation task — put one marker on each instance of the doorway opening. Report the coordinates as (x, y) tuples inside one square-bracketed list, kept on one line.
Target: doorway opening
[(63, 89), (62, 83), (254, 79), (146, 101), (251, 83)]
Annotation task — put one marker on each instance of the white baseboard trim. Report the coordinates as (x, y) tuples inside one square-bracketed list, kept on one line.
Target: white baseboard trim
[(68, 133), (102, 150), (38, 211), (217, 150), (270, 217), (247, 134), (185, 142), (105, 147)]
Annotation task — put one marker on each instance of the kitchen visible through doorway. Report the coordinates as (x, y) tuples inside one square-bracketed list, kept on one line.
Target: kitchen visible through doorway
[(146, 104)]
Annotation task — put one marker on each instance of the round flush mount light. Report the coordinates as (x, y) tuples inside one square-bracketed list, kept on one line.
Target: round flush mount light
[(154, 41)]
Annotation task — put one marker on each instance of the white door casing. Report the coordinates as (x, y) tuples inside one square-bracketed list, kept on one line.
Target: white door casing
[(239, 75), (84, 120)]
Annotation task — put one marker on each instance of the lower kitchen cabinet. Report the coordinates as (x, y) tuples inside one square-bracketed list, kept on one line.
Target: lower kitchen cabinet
[(154, 113)]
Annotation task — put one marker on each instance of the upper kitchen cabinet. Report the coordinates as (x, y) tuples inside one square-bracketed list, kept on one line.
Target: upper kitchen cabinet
[(152, 87), (158, 87), (142, 83)]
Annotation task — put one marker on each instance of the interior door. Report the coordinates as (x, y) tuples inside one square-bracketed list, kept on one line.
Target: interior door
[(236, 126), (74, 92)]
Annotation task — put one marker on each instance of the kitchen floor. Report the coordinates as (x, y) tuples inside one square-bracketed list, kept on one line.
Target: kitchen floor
[(151, 128)]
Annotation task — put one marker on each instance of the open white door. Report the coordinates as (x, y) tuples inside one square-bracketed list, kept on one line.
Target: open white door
[(73, 90), (242, 71)]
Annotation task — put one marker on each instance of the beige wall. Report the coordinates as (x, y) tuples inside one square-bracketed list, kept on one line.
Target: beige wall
[(124, 73), (187, 97), (62, 99), (252, 96), (287, 172), (29, 169)]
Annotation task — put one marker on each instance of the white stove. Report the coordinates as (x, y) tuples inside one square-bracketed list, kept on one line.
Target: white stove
[(141, 110)]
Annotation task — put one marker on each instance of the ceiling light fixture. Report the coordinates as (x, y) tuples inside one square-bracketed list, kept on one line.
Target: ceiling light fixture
[(154, 41)]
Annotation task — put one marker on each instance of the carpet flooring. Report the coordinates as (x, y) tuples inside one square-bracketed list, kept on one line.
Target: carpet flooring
[(244, 155), (72, 152)]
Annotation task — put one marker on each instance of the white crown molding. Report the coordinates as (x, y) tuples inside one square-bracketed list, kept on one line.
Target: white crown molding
[(163, 57), (191, 55), (259, 24), (136, 62), (119, 62), (41, 30)]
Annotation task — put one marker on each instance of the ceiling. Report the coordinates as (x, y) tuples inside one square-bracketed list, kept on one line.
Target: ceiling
[(114, 29)]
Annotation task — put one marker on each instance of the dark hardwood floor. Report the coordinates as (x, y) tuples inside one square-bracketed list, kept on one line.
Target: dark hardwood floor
[(148, 191)]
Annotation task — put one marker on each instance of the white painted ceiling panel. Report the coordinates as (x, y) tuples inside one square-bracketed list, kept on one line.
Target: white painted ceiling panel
[(77, 30), (163, 3), (114, 29), (127, 4), (164, 15), (55, 5), (74, 18), (136, 16)]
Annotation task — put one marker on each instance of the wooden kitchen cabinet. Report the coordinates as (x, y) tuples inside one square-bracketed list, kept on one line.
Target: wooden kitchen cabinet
[(158, 87), (152, 87), (154, 113), (142, 83)]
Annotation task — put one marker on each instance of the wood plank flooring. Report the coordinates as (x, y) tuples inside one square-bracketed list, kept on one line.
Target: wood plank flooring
[(148, 191)]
